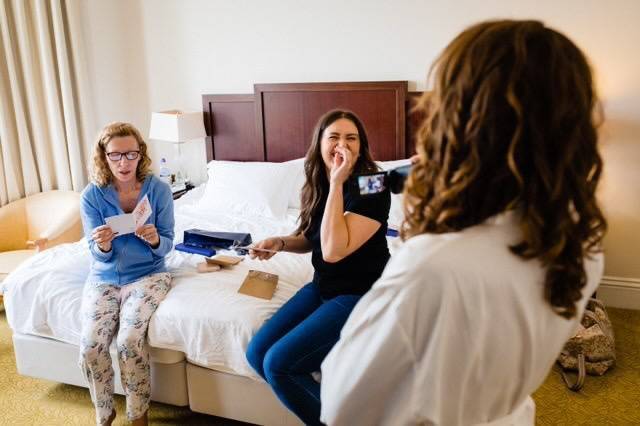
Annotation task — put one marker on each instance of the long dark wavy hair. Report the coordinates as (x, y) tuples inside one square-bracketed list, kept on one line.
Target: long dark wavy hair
[(316, 185), (511, 124)]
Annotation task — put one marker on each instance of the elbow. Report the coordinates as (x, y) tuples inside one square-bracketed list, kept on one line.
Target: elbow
[(331, 257), (331, 252)]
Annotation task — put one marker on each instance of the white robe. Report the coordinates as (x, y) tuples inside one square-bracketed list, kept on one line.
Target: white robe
[(455, 332)]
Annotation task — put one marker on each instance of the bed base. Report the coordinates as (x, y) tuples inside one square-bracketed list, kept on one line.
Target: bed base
[(57, 361), (235, 397), (177, 383)]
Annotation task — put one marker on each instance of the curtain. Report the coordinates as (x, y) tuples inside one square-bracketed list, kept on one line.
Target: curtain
[(44, 115)]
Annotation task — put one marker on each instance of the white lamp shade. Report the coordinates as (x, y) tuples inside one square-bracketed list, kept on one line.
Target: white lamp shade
[(176, 126)]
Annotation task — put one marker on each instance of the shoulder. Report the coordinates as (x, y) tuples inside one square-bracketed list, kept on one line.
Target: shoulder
[(471, 258), (375, 206), (89, 189), (91, 193), (430, 252), (421, 259), (159, 187)]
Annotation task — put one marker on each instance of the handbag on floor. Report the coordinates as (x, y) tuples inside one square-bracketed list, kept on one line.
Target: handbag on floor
[(592, 349)]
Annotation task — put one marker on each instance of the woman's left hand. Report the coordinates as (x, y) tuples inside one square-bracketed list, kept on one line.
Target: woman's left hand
[(342, 166), (149, 233)]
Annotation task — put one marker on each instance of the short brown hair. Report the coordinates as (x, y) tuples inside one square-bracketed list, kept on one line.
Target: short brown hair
[(99, 168)]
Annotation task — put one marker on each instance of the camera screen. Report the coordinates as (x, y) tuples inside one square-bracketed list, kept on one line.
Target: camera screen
[(371, 184)]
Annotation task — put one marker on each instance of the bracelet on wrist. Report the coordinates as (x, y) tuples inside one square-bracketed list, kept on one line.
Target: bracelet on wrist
[(283, 244)]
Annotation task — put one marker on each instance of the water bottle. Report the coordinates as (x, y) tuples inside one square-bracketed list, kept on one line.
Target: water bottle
[(165, 171)]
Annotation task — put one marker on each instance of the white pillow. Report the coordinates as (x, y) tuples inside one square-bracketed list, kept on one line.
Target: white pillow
[(249, 188), (388, 165), (298, 178), (396, 214)]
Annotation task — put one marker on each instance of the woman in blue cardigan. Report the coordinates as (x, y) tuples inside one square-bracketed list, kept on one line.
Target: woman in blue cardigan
[(128, 277)]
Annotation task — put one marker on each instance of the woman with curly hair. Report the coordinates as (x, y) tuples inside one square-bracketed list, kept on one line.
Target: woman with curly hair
[(502, 241), (128, 278)]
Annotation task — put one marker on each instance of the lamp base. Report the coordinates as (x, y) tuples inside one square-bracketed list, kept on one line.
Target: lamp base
[(181, 176)]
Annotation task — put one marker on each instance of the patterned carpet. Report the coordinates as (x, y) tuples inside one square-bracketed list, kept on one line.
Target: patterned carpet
[(613, 399)]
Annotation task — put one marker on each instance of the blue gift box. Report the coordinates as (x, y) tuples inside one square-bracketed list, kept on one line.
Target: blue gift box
[(203, 242)]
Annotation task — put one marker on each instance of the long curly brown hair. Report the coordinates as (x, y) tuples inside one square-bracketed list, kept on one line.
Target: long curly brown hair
[(99, 168), (511, 124), (316, 185)]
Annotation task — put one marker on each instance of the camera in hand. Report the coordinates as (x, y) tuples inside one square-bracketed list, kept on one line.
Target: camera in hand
[(375, 183)]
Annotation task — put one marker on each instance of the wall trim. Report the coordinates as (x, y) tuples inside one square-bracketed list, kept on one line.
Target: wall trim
[(620, 292)]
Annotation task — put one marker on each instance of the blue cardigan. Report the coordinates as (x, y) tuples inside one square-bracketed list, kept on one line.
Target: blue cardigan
[(130, 257)]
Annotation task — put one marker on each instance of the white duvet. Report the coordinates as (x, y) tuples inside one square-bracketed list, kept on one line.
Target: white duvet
[(203, 316)]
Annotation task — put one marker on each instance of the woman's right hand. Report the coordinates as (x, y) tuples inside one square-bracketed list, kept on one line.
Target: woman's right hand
[(273, 244), (342, 166), (103, 235)]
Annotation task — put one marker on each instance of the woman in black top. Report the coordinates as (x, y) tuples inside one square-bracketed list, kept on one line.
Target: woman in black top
[(346, 234)]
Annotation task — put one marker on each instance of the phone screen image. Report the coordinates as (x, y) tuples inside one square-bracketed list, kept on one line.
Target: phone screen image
[(371, 184)]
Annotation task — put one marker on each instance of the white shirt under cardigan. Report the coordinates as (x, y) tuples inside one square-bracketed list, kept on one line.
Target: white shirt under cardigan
[(455, 332)]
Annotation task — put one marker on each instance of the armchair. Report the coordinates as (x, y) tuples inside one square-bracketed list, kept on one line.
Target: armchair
[(35, 223)]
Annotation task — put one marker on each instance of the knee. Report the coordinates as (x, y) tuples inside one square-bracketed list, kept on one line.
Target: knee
[(274, 364), (255, 356), (130, 345), (91, 351)]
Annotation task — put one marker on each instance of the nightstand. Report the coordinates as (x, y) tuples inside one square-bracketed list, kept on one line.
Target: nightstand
[(181, 190)]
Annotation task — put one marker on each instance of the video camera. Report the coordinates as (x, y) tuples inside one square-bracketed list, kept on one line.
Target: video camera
[(377, 182)]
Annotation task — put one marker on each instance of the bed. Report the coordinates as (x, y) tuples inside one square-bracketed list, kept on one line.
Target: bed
[(199, 334)]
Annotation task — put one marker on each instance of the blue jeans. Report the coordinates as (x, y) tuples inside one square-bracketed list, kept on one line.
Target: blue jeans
[(293, 344)]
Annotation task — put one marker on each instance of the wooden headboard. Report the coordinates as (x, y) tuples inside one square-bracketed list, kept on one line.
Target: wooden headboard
[(276, 122)]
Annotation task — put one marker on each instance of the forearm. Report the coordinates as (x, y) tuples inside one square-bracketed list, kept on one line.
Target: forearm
[(97, 253), (165, 223), (295, 244), (165, 245), (334, 233)]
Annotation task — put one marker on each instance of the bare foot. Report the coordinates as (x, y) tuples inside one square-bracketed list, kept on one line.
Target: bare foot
[(141, 421), (111, 418)]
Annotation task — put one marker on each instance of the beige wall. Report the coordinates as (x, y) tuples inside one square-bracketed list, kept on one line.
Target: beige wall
[(187, 48), (115, 52)]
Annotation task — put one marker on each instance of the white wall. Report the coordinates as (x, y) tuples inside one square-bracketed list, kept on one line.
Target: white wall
[(195, 47), (115, 52)]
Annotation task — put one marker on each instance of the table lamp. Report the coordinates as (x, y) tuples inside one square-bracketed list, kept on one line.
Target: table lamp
[(177, 127)]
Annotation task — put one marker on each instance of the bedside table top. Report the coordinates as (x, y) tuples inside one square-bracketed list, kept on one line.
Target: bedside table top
[(183, 189)]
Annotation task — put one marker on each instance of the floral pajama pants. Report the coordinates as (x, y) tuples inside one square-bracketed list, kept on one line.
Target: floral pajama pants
[(126, 310)]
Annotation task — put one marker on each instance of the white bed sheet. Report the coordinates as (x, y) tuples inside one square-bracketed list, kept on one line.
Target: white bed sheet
[(202, 316)]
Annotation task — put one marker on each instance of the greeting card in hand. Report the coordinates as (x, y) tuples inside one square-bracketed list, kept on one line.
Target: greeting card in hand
[(142, 211), (128, 223)]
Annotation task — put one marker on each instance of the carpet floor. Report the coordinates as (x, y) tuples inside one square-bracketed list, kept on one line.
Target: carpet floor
[(613, 399)]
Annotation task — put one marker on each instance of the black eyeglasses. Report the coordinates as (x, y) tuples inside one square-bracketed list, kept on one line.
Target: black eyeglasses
[(117, 156)]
